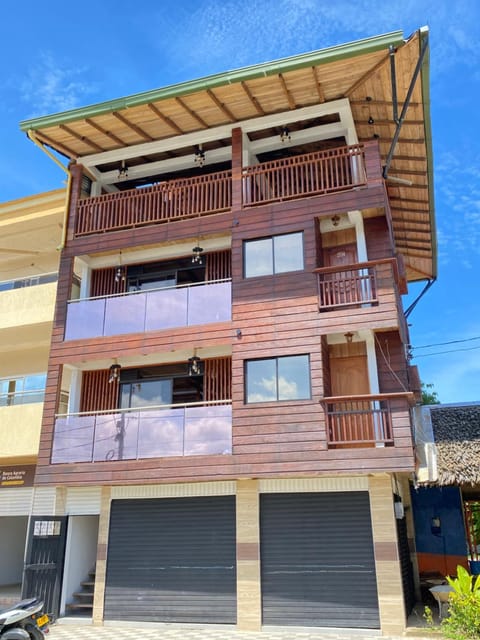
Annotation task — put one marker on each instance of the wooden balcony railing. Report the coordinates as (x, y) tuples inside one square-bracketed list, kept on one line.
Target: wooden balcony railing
[(309, 174), (362, 420), (171, 200)]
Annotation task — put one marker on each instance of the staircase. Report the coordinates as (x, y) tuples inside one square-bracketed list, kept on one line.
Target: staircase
[(82, 604)]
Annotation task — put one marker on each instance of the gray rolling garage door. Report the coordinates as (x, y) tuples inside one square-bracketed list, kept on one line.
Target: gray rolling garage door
[(172, 560), (317, 560)]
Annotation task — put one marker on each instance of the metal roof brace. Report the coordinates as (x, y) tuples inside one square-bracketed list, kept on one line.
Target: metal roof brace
[(405, 104), (393, 75)]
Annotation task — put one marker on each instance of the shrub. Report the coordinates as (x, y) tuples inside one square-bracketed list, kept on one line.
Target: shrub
[(463, 622)]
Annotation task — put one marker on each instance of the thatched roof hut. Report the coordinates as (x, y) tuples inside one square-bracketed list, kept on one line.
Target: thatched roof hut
[(456, 432)]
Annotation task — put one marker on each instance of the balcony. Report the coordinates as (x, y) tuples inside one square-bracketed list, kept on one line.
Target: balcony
[(151, 310), (311, 174), (347, 286), (362, 420), (154, 432)]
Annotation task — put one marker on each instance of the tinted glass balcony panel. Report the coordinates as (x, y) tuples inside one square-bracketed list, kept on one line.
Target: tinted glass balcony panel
[(116, 437), (85, 319), (125, 314), (210, 303), (208, 430), (73, 439), (166, 308), (161, 433)]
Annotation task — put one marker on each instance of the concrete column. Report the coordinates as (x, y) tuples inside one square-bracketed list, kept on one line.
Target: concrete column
[(101, 564), (387, 561), (249, 595)]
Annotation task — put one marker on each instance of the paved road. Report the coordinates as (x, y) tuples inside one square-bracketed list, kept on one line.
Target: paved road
[(72, 631)]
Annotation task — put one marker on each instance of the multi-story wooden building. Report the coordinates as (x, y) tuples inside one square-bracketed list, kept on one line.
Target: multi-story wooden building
[(230, 331)]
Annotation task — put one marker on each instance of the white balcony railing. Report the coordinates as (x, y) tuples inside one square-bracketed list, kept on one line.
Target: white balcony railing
[(154, 310), (153, 432)]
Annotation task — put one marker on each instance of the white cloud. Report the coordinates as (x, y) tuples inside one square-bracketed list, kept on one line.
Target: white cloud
[(50, 87)]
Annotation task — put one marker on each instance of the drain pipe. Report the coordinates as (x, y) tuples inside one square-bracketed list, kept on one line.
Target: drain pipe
[(31, 135)]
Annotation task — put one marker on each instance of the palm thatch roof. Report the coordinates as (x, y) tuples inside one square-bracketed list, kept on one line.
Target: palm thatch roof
[(456, 431)]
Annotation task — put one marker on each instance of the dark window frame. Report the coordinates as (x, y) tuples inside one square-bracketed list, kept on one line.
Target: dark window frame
[(273, 272), (276, 360)]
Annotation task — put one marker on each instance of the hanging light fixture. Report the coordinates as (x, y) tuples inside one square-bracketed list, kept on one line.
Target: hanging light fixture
[(199, 158), (123, 171), (195, 366), (335, 220), (349, 337), (285, 134), (114, 372), (197, 254), (120, 272)]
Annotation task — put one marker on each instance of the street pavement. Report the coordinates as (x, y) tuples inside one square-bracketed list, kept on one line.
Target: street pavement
[(84, 630)]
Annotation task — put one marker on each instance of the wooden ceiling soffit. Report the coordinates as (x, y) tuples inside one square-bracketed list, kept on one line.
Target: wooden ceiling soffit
[(288, 94), (221, 106), (253, 100), (104, 132), (371, 72), (80, 138), (409, 200), (381, 103), (66, 151), (410, 210), (168, 121), (318, 85), (132, 126), (191, 113)]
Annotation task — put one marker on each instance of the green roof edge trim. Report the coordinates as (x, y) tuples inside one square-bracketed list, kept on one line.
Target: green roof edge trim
[(283, 65), (425, 78)]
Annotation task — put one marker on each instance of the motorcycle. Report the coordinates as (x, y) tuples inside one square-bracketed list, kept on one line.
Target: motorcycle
[(24, 621)]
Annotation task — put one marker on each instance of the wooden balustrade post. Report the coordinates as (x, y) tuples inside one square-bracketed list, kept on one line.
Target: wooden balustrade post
[(76, 172), (373, 164), (237, 168)]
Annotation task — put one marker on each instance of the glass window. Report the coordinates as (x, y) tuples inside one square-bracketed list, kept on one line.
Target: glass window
[(283, 378), (22, 390), (278, 254)]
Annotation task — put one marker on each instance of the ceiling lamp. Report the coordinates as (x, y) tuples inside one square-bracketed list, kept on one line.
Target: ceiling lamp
[(197, 255), (285, 134), (120, 271), (123, 171), (114, 372), (195, 366), (199, 158)]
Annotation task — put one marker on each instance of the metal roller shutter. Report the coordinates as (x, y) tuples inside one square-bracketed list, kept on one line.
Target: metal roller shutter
[(172, 560), (318, 566)]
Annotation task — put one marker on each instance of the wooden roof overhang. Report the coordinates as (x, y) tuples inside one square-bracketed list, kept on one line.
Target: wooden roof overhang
[(377, 77)]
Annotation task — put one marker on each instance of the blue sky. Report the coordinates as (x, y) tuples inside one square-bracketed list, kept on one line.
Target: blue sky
[(60, 55)]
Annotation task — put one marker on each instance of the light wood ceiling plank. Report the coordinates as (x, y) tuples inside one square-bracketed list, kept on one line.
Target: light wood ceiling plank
[(143, 134), (80, 138), (104, 132), (253, 99), (288, 94), (221, 106), (168, 121), (192, 113)]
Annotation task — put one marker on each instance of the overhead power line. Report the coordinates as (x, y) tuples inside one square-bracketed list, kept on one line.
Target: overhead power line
[(437, 353), (441, 344)]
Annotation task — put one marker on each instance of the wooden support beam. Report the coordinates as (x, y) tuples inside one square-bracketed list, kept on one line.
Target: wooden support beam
[(221, 106), (366, 76), (288, 94), (252, 98), (132, 126), (83, 139), (383, 103), (318, 85), (69, 153), (192, 113), (168, 121), (104, 132)]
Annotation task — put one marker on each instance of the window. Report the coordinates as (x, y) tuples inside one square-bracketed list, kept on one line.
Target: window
[(273, 379), (277, 254), (153, 386), (22, 390)]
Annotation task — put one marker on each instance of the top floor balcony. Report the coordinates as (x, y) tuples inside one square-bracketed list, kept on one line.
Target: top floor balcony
[(311, 174)]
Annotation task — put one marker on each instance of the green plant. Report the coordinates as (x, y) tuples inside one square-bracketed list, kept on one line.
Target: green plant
[(428, 615), (463, 622)]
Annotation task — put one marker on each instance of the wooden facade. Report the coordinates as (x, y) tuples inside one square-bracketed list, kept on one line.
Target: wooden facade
[(272, 315)]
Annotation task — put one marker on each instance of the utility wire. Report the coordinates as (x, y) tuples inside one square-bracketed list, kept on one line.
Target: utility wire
[(437, 353), (440, 344)]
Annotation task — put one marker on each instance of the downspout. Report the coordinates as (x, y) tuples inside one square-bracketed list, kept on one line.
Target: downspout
[(41, 146)]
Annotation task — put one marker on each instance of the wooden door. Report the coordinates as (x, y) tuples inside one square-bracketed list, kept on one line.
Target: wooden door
[(342, 287), (352, 422)]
